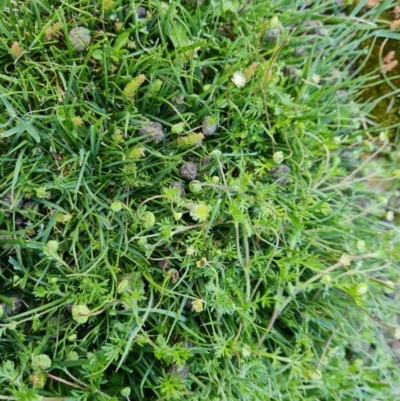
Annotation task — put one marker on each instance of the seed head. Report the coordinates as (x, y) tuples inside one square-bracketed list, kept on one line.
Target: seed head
[(80, 313), (132, 87), (153, 131), (362, 289), (189, 171), (195, 187), (16, 50), (80, 38), (216, 154), (209, 125), (148, 219), (197, 305), (126, 392), (40, 362), (38, 380), (190, 140)]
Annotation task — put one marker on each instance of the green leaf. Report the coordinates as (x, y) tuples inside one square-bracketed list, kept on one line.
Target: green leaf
[(26, 394), (32, 132), (121, 41), (7, 104), (20, 128), (8, 372), (387, 34), (98, 55), (178, 35)]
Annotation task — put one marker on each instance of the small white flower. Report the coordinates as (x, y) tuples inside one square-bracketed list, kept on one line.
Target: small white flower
[(246, 351), (361, 289), (197, 305), (316, 78), (390, 215), (345, 260), (239, 79), (397, 333)]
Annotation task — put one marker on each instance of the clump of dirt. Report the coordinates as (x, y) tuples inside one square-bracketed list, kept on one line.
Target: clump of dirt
[(384, 59)]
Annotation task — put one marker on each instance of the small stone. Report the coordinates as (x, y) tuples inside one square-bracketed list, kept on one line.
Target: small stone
[(8, 204), (206, 160), (195, 3), (179, 371), (19, 220), (12, 310), (188, 304), (189, 171), (271, 35), (299, 51), (164, 264), (80, 38), (317, 28), (179, 102), (141, 12), (153, 131), (280, 173), (280, 170), (291, 73), (282, 181)]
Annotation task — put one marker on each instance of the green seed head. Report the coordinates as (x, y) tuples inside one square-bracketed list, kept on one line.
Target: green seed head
[(126, 392), (40, 362), (80, 313)]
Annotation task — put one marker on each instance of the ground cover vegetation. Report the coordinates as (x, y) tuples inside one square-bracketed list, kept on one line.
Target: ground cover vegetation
[(195, 202)]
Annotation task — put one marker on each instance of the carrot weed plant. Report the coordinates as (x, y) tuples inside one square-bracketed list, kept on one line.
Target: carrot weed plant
[(194, 203)]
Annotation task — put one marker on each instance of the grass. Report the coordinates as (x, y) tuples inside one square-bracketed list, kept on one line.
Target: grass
[(259, 262)]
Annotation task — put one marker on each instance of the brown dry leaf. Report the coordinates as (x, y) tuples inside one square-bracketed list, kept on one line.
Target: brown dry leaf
[(389, 57), (389, 62), (250, 71), (396, 12), (390, 66), (372, 3), (394, 25)]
